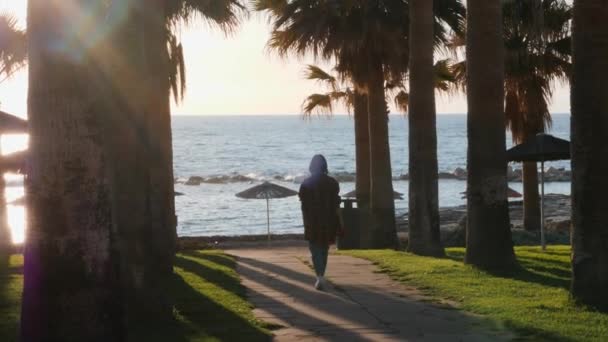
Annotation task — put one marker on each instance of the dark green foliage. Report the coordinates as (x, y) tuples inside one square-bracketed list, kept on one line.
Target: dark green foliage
[(225, 14), (13, 50), (355, 31)]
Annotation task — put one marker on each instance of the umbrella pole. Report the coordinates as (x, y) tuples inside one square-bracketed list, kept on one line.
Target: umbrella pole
[(543, 243), (268, 217)]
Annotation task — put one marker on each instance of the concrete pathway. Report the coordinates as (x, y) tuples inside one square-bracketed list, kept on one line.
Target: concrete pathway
[(358, 305)]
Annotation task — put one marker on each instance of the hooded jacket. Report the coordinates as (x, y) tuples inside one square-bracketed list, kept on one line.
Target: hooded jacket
[(320, 199)]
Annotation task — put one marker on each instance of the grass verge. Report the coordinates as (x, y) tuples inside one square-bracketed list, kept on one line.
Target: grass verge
[(533, 301), (11, 285), (210, 302)]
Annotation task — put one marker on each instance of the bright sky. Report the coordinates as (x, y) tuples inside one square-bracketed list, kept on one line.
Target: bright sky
[(233, 75)]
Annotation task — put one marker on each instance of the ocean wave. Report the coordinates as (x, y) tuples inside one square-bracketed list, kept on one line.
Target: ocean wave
[(513, 175), (297, 178), (221, 179)]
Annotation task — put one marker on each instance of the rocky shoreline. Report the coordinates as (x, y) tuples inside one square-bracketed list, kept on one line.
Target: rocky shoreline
[(557, 211), (513, 175), (223, 242), (557, 223)]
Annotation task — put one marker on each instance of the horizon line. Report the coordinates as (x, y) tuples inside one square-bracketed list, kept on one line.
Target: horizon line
[(322, 116)]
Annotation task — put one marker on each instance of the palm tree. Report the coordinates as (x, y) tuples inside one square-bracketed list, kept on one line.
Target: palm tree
[(423, 214), (148, 67), (12, 46), (534, 62), (368, 41), (137, 141), (537, 56), (70, 274), (442, 81), (325, 31), (101, 184), (589, 149), (354, 99), (223, 14), (489, 243)]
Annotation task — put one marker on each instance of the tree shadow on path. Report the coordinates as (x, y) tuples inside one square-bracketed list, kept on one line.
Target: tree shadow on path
[(219, 259), (211, 275), (350, 311), (203, 315)]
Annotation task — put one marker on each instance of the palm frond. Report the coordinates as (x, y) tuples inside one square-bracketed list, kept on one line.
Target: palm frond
[(321, 104), (526, 107), (273, 6), (459, 71), (537, 56), (315, 73), (339, 95), (402, 101), (450, 20), (177, 67), (445, 80), (353, 31), (224, 14), (515, 118), (13, 46)]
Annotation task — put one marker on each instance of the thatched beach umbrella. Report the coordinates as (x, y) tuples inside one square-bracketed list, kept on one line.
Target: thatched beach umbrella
[(543, 147), (267, 191)]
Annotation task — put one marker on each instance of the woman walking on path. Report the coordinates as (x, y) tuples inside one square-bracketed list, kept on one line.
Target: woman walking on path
[(320, 199)]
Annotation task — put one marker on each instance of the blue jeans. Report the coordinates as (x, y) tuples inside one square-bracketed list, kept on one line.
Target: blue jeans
[(319, 257)]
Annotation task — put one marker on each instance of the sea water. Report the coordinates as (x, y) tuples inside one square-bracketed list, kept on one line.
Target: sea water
[(238, 152)]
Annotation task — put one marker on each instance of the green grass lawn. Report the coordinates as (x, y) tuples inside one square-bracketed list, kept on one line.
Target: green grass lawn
[(11, 283), (210, 303), (533, 301)]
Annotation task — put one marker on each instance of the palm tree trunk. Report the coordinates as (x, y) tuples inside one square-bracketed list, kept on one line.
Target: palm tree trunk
[(362, 150), (138, 142), (382, 204), (489, 243), (162, 221), (424, 234), (531, 196), (70, 275), (589, 150), (5, 232)]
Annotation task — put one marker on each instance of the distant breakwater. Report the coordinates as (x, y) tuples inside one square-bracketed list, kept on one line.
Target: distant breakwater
[(513, 175)]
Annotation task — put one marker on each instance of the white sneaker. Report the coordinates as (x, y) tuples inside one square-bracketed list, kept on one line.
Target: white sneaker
[(319, 283)]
